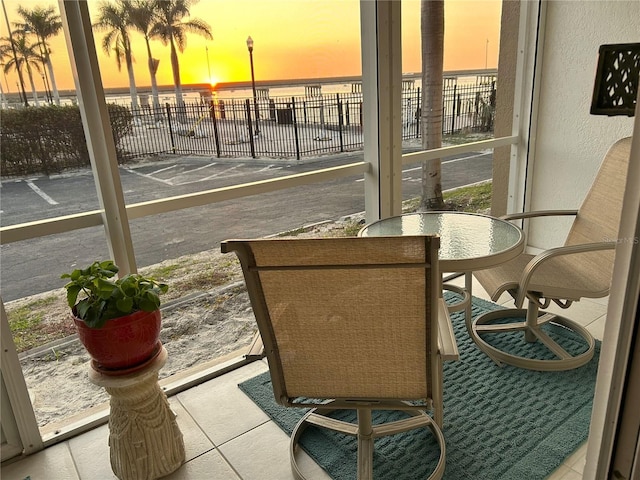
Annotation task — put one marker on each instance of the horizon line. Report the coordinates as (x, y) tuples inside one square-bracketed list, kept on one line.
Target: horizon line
[(262, 83)]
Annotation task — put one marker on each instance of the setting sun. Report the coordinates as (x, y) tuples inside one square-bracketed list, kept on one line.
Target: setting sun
[(315, 39)]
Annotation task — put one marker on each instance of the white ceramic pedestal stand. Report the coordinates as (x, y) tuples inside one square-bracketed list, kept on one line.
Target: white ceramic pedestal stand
[(144, 439)]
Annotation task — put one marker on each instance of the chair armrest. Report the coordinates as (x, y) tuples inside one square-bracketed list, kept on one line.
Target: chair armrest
[(539, 259), (446, 338), (538, 213)]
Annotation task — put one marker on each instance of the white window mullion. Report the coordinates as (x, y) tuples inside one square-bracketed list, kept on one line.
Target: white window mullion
[(525, 102), (95, 120), (20, 428), (382, 103)]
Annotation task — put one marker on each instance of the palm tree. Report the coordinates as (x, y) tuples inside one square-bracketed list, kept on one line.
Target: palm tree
[(11, 46), (45, 23), (114, 19), (27, 56), (142, 17), (170, 29), (432, 26)]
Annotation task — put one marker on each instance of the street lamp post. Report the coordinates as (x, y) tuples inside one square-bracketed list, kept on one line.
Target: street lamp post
[(208, 65), (253, 84)]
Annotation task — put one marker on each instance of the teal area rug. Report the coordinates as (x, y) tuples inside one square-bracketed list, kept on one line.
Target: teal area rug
[(500, 423)]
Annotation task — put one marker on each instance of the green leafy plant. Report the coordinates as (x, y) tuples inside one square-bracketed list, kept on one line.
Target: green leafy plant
[(95, 297)]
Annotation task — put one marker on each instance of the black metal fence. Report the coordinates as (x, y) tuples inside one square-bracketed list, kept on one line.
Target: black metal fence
[(293, 127)]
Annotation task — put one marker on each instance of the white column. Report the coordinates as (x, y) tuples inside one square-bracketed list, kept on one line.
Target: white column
[(382, 106)]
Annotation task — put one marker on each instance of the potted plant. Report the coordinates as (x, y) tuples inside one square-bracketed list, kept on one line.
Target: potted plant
[(118, 320)]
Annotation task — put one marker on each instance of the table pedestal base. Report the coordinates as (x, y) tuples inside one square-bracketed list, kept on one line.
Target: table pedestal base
[(144, 439)]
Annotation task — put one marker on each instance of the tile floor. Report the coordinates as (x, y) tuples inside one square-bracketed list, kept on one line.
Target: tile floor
[(228, 437)]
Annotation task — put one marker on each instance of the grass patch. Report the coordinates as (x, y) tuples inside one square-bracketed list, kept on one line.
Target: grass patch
[(32, 326), (197, 273), (473, 198), (352, 228)]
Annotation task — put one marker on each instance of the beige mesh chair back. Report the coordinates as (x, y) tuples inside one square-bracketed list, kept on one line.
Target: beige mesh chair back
[(351, 323), (581, 268)]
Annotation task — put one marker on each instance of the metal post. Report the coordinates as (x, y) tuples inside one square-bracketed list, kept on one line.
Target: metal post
[(253, 84), (216, 136), (340, 122), (173, 142), (251, 143), (295, 127), (418, 116), (453, 111)]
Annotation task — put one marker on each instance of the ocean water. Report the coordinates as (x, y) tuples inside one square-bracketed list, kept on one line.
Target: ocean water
[(280, 91)]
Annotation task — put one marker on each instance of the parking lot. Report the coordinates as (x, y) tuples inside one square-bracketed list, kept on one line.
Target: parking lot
[(189, 231)]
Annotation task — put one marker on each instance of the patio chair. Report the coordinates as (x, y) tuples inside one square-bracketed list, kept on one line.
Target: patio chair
[(582, 268), (352, 323)]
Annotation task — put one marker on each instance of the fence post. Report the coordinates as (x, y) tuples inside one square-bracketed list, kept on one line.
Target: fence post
[(295, 127), (251, 144), (340, 121), (346, 112), (453, 112), (173, 143), (212, 114), (418, 115)]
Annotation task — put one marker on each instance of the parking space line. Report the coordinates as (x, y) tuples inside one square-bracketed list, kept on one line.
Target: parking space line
[(188, 172), (212, 176), (43, 195), (453, 160), (150, 175), (162, 170), (269, 167)]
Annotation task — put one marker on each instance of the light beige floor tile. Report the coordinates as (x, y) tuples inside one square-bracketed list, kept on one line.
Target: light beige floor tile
[(596, 328), (583, 312), (221, 409), (577, 460), (195, 441), (90, 452), (602, 301), (264, 453), (559, 473), (42, 465), (211, 465), (571, 475)]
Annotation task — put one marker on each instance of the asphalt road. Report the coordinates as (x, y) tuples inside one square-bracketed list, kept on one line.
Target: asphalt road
[(34, 266)]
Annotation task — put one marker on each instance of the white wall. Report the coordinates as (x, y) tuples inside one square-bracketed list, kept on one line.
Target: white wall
[(569, 142)]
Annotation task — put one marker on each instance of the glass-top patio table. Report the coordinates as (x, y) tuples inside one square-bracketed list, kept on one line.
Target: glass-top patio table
[(468, 242)]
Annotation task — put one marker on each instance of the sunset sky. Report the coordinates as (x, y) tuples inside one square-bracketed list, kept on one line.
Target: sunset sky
[(292, 39)]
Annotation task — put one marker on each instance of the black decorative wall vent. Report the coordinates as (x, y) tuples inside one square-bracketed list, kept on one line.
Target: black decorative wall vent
[(616, 86)]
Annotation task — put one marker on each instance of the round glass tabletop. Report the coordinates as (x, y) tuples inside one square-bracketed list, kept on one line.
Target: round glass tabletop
[(468, 241)]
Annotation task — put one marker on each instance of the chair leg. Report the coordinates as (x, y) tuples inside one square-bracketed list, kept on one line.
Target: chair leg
[(365, 444), (532, 322), (485, 325)]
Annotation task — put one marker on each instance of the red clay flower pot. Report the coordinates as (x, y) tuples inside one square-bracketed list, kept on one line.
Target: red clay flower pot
[(123, 344)]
